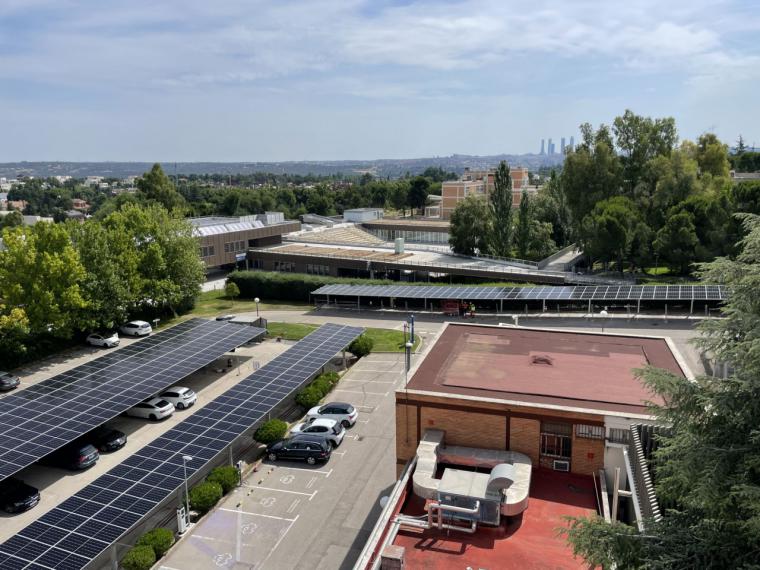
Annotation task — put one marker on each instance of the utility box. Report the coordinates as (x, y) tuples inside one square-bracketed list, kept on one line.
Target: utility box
[(464, 489), (398, 246), (392, 557)]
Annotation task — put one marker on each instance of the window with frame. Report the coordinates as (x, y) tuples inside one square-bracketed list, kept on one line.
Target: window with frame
[(589, 432), (284, 266), (556, 439), (619, 435)]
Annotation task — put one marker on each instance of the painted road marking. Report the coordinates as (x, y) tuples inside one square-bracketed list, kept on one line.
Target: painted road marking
[(287, 479), (362, 392), (267, 501), (256, 514), (293, 506), (325, 473), (282, 490), (311, 482), (370, 381), (279, 540)]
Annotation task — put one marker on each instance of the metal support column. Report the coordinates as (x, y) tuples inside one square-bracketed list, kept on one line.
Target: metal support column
[(638, 306), (691, 308)]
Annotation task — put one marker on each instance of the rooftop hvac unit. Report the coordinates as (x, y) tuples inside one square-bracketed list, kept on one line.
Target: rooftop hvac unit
[(561, 465)]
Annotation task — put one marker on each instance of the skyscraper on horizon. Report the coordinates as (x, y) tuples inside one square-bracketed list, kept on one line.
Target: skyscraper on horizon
[(542, 147), (572, 142), (562, 145), (550, 149)]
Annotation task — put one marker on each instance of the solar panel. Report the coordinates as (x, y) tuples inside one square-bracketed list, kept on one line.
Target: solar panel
[(83, 526), (42, 418)]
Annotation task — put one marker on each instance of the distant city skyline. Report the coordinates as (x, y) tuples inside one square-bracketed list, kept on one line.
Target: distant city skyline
[(332, 80)]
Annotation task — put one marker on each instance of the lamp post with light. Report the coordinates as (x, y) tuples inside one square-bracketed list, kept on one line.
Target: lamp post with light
[(185, 459), (256, 300)]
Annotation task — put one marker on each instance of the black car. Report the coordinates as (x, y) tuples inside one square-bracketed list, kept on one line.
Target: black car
[(309, 448), (74, 456), (8, 381), (16, 496), (107, 439)]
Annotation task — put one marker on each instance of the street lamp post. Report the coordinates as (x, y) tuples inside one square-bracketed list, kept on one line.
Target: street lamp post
[(256, 300), (407, 365), (185, 459)]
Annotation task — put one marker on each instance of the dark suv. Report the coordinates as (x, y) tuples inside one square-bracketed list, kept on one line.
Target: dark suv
[(106, 439), (16, 496), (8, 381), (74, 456), (309, 448)]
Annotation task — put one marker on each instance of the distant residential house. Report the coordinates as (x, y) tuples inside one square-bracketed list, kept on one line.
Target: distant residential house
[(75, 215), (481, 183), (79, 204), (17, 204), (93, 180)]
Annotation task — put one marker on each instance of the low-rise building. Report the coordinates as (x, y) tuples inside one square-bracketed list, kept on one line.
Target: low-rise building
[(480, 183), (359, 215)]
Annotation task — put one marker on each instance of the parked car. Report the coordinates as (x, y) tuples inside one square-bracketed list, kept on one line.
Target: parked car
[(107, 439), (344, 413), (180, 397), (16, 496), (108, 340), (225, 317), (303, 447), (8, 381), (136, 328), (75, 456), (152, 409), (332, 430)]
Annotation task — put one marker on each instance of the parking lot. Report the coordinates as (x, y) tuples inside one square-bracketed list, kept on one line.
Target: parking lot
[(291, 515), (56, 485)]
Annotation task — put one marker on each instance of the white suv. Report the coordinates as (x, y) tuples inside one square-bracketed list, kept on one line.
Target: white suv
[(179, 397), (152, 409), (331, 430), (341, 412), (136, 328)]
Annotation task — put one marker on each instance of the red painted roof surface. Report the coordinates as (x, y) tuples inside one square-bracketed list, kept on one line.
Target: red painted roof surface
[(593, 371), (526, 542)]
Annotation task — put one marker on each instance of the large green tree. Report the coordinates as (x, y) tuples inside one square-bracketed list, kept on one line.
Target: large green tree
[(677, 241), (419, 189), (712, 155), (41, 273), (523, 227), (608, 231), (470, 226), (708, 466), (154, 187), (500, 206)]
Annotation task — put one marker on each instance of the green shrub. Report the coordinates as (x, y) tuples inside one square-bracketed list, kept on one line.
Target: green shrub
[(271, 431), (159, 539), (227, 476), (139, 558), (204, 496), (361, 346), (309, 397), (331, 377), (321, 385)]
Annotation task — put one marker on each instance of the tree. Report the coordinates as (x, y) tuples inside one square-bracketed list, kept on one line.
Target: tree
[(677, 241), (551, 207), (523, 229), (500, 206), (640, 139), (40, 271), (231, 291), (706, 465), (361, 346), (155, 187), (608, 230), (470, 226), (13, 219), (740, 145), (14, 330), (712, 155), (418, 192), (399, 196)]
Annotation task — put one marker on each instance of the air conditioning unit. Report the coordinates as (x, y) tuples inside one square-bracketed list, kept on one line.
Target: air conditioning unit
[(561, 465)]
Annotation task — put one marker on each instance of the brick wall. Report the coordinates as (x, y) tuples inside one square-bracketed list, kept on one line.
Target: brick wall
[(587, 456), (406, 447), (469, 429), (524, 436)]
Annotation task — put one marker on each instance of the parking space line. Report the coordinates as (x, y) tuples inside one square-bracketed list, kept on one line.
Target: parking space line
[(370, 381), (280, 490), (339, 453), (325, 473), (384, 371), (255, 514), (311, 482), (361, 392), (279, 540), (363, 421), (293, 505)]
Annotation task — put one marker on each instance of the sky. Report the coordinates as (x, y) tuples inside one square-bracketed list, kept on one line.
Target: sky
[(247, 80)]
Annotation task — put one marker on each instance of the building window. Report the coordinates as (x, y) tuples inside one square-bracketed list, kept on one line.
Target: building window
[(207, 250), (556, 440), (284, 266), (315, 269), (234, 246), (619, 435), (589, 432)]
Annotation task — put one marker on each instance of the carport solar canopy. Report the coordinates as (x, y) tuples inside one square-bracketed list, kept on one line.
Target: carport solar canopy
[(42, 418), (79, 529), (563, 293)]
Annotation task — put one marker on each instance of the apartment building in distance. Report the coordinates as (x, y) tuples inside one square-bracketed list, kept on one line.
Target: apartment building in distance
[(480, 183)]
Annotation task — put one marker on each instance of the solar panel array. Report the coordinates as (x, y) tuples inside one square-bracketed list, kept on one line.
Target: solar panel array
[(79, 529), (563, 293), (42, 418)]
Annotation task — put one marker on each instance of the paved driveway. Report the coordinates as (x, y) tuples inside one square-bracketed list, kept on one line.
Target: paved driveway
[(290, 515)]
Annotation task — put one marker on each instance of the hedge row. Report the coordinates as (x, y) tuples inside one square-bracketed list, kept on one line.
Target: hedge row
[(271, 431), (149, 547), (288, 286), (318, 389)]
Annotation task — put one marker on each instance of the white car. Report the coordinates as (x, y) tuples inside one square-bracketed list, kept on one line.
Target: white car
[(109, 340), (179, 397), (136, 328), (341, 412), (152, 409), (331, 430)]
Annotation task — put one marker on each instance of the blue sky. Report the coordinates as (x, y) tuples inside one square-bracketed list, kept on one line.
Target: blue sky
[(242, 80)]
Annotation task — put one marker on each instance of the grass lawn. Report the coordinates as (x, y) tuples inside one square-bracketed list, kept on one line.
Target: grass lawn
[(213, 303), (385, 340)]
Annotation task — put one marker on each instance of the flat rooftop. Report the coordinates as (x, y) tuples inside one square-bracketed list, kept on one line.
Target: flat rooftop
[(572, 369), (528, 541)]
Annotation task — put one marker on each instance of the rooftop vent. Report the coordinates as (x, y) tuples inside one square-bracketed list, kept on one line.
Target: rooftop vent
[(542, 359)]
